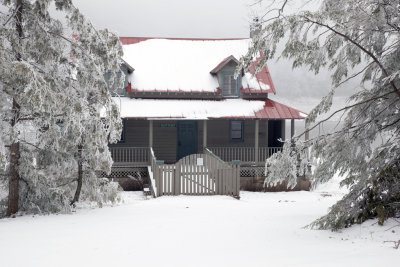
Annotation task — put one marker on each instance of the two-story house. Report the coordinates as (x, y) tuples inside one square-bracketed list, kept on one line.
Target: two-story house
[(181, 97)]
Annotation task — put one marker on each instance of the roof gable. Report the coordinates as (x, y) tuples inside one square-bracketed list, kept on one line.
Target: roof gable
[(223, 63)]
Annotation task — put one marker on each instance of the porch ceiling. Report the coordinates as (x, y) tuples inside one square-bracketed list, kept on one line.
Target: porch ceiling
[(205, 109)]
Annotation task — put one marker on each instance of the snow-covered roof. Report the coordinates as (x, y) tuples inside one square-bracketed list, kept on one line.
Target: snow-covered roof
[(184, 65), (204, 109)]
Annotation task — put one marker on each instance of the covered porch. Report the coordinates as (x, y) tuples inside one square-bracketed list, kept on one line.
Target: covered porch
[(245, 131), (171, 140)]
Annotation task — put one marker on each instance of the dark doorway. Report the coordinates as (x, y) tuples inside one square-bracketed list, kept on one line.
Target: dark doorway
[(275, 131), (187, 138)]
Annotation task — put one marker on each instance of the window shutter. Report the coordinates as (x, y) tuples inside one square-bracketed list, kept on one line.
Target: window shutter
[(233, 85), (236, 130), (226, 85), (229, 85)]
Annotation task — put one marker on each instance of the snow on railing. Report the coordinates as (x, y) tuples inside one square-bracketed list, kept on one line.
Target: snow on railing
[(154, 171), (130, 155), (244, 154)]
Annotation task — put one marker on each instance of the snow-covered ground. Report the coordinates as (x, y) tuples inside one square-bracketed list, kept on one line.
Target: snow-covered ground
[(260, 229)]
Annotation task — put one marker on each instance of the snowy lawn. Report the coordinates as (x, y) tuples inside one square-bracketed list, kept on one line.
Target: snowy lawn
[(260, 229)]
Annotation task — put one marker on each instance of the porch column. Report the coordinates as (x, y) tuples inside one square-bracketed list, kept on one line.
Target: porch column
[(256, 130), (266, 136), (150, 133), (306, 138), (291, 128), (204, 135)]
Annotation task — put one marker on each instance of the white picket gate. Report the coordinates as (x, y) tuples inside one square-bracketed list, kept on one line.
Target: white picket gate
[(196, 174)]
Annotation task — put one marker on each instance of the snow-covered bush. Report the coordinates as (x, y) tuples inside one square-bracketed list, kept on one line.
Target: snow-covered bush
[(286, 165)]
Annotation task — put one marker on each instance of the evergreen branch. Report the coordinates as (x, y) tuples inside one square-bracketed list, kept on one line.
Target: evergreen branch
[(343, 109), (280, 11), (354, 75), (369, 53)]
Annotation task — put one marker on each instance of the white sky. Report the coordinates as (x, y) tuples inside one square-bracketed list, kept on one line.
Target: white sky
[(170, 18)]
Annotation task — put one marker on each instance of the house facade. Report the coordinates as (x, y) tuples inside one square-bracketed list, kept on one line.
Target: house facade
[(182, 96)]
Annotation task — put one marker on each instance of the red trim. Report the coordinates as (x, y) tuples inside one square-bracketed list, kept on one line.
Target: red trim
[(135, 40), (254, 91), (134, 90)]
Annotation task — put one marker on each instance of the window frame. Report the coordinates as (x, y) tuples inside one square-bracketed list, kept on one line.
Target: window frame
[(241, 139)]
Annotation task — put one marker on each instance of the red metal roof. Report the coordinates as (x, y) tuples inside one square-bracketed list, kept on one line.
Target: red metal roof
[(262, 76), (135, 40), (276, 110)]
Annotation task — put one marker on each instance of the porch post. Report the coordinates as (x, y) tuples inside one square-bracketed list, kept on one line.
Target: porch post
[(204, 135), (306, 137), (266, 136), (291, 128), (150, 133), (256, 130)]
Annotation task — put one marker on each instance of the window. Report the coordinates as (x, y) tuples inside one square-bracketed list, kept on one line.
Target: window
[(229, 85), (236, 128)]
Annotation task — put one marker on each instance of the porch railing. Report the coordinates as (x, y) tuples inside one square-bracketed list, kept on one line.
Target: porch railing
[(125, 155), (244, 154), (141, 155)]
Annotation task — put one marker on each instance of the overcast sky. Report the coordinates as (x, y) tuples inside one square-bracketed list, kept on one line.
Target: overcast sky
[(170, 18)]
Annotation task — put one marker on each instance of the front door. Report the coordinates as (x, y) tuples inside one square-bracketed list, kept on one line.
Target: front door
[(187, 138)]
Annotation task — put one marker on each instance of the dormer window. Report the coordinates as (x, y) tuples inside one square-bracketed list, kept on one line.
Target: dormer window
[(229, 84), (225, 71)]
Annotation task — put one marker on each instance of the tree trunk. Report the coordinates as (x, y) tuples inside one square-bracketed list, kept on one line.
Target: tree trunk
[(13, 182), (80, 176)]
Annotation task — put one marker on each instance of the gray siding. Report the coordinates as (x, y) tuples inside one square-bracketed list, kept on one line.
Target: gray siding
[(165, 141), (218, 135), (136, 133)]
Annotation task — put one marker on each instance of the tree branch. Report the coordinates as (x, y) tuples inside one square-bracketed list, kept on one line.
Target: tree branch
[(369, 53), (343, 109), (12, 15)]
